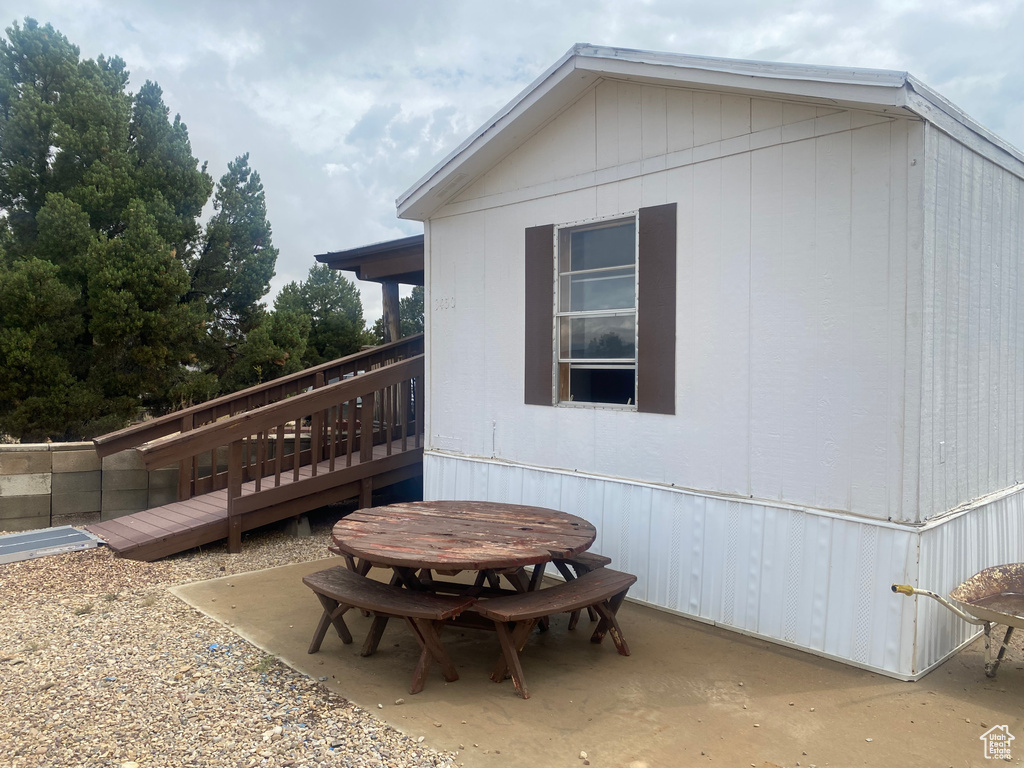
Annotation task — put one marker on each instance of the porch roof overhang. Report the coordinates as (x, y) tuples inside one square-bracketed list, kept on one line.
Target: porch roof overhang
[(392, 261)]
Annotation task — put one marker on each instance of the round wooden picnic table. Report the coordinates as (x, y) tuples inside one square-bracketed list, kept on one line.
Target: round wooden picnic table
[(451, 536)]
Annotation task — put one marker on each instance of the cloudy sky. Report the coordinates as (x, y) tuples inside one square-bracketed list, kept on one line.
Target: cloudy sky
[(344, 105)]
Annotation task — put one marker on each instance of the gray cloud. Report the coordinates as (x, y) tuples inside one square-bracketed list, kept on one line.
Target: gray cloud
[(342, 106)]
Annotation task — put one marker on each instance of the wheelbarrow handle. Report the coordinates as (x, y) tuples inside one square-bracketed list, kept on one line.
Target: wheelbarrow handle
[(906, 589)]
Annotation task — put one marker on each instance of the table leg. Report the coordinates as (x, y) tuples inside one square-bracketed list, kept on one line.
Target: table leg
[(518, 580), (408, 578), (537, 576), (428, 634)]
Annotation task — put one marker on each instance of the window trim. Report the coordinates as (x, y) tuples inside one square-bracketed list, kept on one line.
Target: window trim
[(656, 312)]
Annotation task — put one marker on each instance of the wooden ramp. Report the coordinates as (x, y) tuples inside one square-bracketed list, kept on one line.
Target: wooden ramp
[(161, 531), (276, 450)]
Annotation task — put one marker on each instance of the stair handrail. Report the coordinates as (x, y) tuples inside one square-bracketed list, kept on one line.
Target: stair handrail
[(260, 396), (232, 429)]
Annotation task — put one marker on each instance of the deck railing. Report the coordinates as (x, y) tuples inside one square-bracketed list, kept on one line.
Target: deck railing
[(245, 401), (327, 427)]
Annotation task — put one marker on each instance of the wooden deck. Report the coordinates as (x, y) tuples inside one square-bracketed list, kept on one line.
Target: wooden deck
[(161, 531)]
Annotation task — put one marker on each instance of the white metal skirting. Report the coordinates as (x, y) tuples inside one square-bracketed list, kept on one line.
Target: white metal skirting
[(809, 579), (952, 552)]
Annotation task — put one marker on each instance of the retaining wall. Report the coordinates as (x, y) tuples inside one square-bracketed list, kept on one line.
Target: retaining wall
[(41, 482)]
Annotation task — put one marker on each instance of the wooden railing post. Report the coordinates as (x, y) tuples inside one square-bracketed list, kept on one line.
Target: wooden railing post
[(420, 425), (234, 491), (316, 431), (368, 408), (185, 465)]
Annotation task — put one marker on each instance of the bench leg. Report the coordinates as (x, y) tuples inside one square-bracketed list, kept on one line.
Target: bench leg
[(608, 611), (332, 614), (428, 634), (512, 643), (374, 635)]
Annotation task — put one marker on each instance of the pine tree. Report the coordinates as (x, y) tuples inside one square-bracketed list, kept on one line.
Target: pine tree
[(334, 310), (113, 299)]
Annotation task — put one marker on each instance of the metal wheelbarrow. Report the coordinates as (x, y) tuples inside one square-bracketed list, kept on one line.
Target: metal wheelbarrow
[(993, 596)]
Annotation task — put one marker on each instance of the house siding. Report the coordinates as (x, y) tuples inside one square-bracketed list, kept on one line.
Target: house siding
[(793, 228), (971, 422)]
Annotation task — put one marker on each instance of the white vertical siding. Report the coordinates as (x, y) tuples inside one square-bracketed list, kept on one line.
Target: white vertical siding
[(810, 580), (793, 224), (972, 339)]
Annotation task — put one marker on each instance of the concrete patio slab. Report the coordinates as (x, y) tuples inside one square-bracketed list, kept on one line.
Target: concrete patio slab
[(690, 694)]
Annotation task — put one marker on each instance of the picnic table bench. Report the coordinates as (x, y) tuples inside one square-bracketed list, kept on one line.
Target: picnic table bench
[(340, 589), (514, 616)]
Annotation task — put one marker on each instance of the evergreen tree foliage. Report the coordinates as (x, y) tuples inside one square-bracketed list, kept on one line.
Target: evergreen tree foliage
[(334, 310), (230, 275), (113, 297), (410, 312)]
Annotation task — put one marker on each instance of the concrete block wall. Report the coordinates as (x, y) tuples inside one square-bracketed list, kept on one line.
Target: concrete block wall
[(41, 483), (25, 487), (76, 480)]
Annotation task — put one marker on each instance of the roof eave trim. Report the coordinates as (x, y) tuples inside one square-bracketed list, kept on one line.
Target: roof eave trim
[(949, 118), (882, 88), (844, 86), (436, 176)]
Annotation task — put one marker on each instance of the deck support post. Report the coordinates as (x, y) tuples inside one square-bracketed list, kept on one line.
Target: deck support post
[(366, 492), (392, 322), (234, 491)]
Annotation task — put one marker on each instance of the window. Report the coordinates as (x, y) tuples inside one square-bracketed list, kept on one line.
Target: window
[(587, 337), (596, 313)]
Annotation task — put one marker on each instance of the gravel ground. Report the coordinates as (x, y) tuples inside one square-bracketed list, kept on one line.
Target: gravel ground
[(101, 666)]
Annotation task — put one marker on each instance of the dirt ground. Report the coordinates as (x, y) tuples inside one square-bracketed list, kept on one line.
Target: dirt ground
[(689, 695)]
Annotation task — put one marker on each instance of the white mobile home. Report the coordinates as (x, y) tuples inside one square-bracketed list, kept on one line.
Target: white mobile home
[(762, 324)]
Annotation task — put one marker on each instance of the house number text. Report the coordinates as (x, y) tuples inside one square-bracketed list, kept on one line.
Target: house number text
[(445, 302)]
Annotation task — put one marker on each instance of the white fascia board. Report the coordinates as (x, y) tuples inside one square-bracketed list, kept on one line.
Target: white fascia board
[(950, 119), (748, 67), (864, 87), (510, 126)]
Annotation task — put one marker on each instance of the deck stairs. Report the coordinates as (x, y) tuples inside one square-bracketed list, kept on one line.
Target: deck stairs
[(277, 450)]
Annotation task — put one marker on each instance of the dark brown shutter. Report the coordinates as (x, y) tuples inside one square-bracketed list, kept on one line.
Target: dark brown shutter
[(656, 313), (540, 318)]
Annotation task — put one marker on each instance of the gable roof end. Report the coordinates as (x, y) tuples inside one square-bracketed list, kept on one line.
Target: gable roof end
[(584, 64)]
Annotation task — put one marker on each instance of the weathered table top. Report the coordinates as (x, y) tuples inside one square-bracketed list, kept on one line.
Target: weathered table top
[(461, 535)]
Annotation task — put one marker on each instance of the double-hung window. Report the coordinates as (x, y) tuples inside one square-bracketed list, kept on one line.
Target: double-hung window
[(596, 313)]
